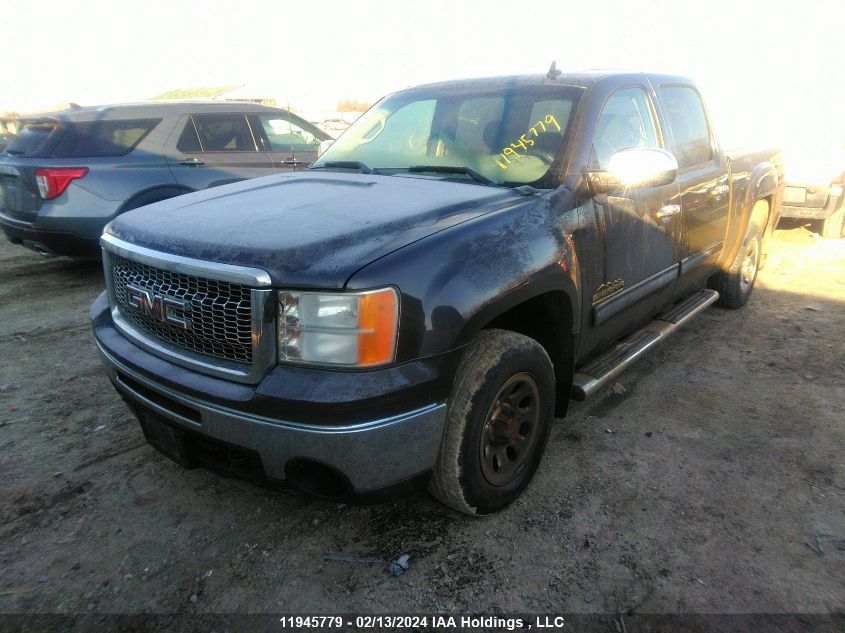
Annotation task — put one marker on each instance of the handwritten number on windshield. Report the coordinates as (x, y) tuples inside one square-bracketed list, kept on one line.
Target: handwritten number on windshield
[(525, 142)]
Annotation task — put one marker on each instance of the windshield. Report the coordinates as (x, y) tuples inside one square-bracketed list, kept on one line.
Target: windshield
[(506, 135)]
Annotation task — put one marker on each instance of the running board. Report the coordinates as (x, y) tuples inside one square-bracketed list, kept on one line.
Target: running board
[(599, 371)]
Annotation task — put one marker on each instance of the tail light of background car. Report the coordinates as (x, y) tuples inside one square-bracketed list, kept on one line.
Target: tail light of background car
[(52, 182)]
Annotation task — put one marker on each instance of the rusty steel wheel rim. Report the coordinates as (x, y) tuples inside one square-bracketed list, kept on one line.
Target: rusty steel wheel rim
[(511, 430)]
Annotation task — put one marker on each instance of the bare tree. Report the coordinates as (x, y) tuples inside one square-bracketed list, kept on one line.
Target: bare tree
[(351, 105)]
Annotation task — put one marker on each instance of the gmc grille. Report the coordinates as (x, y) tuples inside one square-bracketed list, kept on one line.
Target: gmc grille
[(220, 313)]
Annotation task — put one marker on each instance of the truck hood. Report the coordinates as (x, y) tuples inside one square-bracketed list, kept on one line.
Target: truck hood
[(307, 229)]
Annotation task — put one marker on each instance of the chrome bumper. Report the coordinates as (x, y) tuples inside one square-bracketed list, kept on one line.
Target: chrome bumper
[(371, 455)]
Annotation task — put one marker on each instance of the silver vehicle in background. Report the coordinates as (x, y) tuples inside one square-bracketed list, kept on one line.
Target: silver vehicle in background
[(65, 175), (814, 180)]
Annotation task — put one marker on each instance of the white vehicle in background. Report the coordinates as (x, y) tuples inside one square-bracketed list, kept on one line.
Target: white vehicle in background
[(334, 127), (814, 180), (332, 122)]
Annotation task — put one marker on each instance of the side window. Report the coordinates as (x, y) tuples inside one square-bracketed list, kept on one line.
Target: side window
[(189, 142), (66, 139), (690, 133), (223, 133), (626, 121), (287, 135), (112, 138)]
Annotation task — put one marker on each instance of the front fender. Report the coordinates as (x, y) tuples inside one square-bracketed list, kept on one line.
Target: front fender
[(553, 278), (456, 281)]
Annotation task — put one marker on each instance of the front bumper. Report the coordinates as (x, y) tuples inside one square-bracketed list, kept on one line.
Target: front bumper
[(365, 435), (818, 205)]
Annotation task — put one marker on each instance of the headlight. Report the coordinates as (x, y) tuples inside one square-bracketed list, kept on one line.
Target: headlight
[(351, 329)]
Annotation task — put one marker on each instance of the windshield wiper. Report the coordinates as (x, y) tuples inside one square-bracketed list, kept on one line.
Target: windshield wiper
[(446, 169), (347, 164), (523, 190)]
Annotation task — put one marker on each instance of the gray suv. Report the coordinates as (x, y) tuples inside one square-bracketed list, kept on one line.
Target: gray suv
[(67, 174)]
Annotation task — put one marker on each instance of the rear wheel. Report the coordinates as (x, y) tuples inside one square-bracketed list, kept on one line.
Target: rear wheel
[(497, 423), (735, 284), (150, 197)]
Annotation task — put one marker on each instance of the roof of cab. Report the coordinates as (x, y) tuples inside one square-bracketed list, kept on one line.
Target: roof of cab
[(579, 78)]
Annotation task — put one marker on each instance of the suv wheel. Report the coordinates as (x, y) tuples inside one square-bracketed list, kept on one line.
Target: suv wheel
[(497, 423)]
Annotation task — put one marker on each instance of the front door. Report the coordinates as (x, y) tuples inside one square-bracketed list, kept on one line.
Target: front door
[(639, 228), (215, 149)]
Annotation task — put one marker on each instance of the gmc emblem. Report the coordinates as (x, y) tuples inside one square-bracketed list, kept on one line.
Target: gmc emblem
[(161, 307)]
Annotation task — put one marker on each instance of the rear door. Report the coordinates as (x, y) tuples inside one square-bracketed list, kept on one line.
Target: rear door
[(291, 141), (703, 178), (207, 150)]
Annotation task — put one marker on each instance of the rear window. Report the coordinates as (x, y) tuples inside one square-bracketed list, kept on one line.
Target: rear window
[(51, 138), (32, 138)]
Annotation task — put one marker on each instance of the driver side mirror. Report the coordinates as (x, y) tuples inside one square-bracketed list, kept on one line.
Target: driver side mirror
[(635, 167), (324, 145)]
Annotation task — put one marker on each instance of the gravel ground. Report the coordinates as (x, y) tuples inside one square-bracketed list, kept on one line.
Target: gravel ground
[(710, 480)]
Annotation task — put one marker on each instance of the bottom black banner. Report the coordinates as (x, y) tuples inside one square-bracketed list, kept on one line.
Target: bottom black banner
[(572, 623)]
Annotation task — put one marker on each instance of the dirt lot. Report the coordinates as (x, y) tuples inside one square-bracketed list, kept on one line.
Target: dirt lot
[(714, 483)]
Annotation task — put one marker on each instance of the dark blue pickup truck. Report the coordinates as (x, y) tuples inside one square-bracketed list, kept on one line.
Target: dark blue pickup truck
[(417, 306)]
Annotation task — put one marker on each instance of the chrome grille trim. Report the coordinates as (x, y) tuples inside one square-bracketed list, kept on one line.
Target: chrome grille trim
[(257, 330), (186, 265)]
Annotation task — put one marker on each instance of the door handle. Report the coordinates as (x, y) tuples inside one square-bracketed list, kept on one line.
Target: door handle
[(667, 211), (292, 161), (721, 190), (192, 162)]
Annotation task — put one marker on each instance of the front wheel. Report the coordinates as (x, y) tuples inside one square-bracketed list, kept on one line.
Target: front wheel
[(497, 423), (735, 284)]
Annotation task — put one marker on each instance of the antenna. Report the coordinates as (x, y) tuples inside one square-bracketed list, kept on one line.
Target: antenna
[(290, 129), (553, 73)]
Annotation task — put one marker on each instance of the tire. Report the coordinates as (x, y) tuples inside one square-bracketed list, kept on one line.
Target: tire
[(736, 284), (502, 400), (832, 227)]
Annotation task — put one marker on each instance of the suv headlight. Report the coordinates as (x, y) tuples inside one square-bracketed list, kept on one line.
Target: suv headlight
[(352, 329)]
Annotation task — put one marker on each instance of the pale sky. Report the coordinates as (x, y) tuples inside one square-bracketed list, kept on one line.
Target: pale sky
[(769, 70)]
